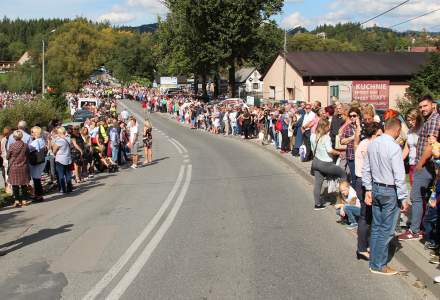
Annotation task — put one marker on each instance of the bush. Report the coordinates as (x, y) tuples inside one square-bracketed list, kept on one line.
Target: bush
[(37, 112)]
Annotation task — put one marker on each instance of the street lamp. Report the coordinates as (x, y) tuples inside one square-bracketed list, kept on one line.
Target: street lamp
[(43, 84)]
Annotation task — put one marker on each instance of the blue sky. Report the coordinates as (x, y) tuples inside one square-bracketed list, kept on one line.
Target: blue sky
[(307, 13)]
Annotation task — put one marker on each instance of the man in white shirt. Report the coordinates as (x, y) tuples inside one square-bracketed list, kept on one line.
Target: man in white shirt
[(133, 142), (307, 124)]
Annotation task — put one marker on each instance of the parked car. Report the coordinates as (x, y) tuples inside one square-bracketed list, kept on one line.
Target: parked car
[(82, 115)]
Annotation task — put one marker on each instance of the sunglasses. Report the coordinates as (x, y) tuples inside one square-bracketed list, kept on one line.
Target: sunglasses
[(353, 116)]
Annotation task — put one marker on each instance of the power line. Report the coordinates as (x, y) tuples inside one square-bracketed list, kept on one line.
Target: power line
[(385, 12), (409, 20)]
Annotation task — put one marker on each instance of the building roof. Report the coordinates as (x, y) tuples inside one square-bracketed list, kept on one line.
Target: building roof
[(352, 64), (243, 74)]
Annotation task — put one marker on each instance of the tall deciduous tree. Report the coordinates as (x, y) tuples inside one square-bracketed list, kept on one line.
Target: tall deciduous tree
[(77, 49)]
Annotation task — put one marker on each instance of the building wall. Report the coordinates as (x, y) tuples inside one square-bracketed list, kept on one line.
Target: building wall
[(397, 92), (274, 78), (254, 78), (318, 92)]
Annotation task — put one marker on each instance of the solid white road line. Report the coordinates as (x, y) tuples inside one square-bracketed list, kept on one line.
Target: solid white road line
[(108, 277), (178, 143), (137, 266), (175, 145)]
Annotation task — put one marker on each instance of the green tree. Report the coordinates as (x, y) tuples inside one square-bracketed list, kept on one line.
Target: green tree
[(427, 82), (270, 43), (74, 52)]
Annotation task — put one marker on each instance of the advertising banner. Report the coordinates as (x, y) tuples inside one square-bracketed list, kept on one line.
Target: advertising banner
[(169, 81), (375, 92)]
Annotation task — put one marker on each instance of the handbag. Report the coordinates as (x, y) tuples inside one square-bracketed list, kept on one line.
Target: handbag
[(312, 169), (37, 157)]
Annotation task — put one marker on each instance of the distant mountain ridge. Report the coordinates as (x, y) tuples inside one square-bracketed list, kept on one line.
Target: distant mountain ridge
[(142, 28)]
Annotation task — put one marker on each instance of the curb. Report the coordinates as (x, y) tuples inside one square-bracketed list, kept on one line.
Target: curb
[(406, 256)]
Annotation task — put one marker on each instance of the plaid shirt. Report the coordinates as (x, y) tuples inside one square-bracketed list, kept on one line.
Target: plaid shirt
[(348, 132), (431, 127)]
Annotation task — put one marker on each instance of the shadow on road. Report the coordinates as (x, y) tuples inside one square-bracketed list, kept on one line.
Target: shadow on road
[(33, 238), (11, 218), (160, 159)]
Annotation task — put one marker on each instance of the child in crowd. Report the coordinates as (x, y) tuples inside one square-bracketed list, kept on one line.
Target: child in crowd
[(348, 204)]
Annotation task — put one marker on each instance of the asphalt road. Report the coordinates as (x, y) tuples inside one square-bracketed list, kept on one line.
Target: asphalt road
[(213, 218)]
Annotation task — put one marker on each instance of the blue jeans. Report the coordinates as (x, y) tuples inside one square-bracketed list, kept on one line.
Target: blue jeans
[(115, 151), (420, 192), (352, 212), (351, 167), (64, 177), (430, 223), (385, 215)]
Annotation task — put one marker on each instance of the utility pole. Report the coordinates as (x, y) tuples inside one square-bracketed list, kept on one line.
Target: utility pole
[(285, 64), (43, 83), (42, 69)]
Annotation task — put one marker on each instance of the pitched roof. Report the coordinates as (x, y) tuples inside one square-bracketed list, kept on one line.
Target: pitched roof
[(346, 64), (243, 74)]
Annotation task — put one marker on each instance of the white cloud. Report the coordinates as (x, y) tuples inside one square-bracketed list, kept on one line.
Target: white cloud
[(153, 6), (294, 20), (117, 15), (361, 10)]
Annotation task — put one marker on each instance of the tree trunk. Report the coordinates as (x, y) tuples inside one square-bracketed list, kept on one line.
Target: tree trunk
[(216, 85), (204, 80), (232, 91), (196, 83)]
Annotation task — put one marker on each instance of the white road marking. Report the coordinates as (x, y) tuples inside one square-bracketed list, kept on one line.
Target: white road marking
[(185, 161), (137, 266), (108, 277), (183, 148), (175, 145)]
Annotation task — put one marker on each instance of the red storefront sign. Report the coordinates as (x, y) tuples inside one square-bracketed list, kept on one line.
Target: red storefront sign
[(376, 92)]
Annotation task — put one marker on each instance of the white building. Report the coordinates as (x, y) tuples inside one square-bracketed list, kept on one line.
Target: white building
[(247, 81)]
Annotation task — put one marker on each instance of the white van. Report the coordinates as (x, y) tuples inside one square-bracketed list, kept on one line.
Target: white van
[(84, 101)]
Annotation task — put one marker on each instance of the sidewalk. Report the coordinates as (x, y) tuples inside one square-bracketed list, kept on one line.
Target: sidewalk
[(410, 254)]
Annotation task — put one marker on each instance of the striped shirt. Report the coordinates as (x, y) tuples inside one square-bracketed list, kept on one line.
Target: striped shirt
[(431, 127)]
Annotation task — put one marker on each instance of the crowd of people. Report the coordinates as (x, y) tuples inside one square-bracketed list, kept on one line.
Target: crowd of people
[(370, 158), (66, 155), (9, 99)]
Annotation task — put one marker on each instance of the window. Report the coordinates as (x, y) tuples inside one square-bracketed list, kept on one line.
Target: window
[(290, 94), (334, 91), (255, 86), (272, 92)]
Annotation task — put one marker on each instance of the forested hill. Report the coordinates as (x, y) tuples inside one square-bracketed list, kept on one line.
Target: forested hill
[(142, 29)]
